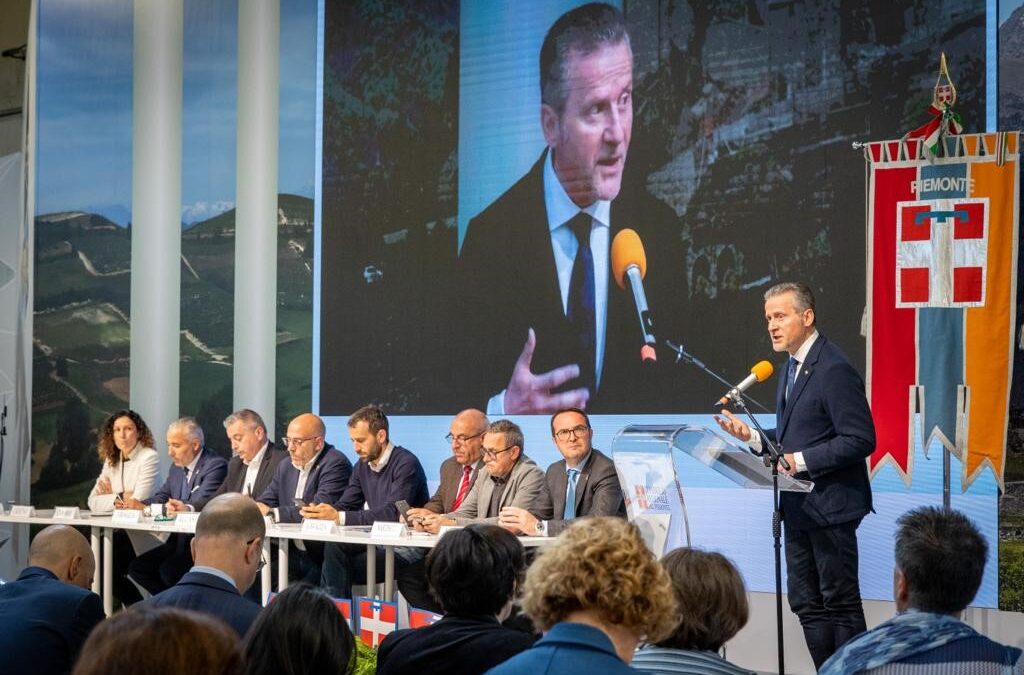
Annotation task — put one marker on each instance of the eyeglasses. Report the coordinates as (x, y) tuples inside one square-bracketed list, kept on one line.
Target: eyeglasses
[(488, 452), (289, 442), (461, 438), (263, 561), (565, 434)]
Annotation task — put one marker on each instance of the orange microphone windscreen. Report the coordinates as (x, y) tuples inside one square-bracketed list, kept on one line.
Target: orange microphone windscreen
[(627, 249), (762, 370)]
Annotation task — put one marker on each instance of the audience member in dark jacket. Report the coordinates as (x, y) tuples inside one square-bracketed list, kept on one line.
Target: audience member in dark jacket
[(49, 611), (474, 573), (228, 550)]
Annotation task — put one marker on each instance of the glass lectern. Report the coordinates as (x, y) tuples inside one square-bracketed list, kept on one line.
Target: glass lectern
[(648, 469)]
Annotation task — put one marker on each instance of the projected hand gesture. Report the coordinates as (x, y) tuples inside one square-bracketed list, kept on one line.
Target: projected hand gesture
[(529, 394)]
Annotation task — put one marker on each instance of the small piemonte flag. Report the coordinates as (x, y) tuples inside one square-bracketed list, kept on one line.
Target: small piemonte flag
[(419, 618), (377, 619)]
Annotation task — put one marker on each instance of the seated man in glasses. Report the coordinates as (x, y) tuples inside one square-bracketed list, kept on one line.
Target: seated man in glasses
[(459, 474), (228, 553), (317, 472), (509, 478), (583, 483)]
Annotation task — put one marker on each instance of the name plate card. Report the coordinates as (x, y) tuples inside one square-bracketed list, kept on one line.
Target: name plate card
[(317, 526), (127, 517), (66, 513), (185, 521), (386, 530), (445, 529), (23, 511)]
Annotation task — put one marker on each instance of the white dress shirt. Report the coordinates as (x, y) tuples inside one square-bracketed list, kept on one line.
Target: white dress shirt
[(800, 356), (560, 210), (252, 468)]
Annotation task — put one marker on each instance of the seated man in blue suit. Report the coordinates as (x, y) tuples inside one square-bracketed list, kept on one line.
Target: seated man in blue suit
[(228, 551), (191, 481), (316, 473), (47, 614)]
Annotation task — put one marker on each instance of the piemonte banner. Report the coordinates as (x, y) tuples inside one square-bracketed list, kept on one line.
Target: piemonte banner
[(942, 252)]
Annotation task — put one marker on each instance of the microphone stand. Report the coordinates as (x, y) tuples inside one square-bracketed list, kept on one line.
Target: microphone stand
[(772, 458), (683, 355)]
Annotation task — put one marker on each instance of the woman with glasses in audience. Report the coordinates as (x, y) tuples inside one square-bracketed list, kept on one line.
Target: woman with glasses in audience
[(595, 592), (712, 609), (130, 466)]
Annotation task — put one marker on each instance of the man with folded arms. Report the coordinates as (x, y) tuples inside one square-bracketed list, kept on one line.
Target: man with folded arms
[(316, 472), (385, 473), (582, 483), (228, 552), (49, 611), (509, 478)]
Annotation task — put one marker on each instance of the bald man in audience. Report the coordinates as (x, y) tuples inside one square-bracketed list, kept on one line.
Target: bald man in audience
[(228, 553), (47, 614)]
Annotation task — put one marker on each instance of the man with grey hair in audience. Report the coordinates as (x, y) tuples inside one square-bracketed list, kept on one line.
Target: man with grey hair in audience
[(509, 478), (191, 481), (228, 553), (49, 611), (255, 460), (940, 561)]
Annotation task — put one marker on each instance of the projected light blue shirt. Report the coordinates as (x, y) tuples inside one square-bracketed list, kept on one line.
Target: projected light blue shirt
[(560, 210)]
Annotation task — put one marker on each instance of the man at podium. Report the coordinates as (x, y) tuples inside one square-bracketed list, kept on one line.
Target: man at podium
[(825, 431)]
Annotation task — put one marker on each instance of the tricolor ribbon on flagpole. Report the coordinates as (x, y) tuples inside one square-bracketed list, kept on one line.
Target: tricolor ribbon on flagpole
[(944, 122)]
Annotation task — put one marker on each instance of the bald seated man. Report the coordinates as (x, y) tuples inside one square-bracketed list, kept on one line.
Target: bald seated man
[(47, 614), (228, 553)]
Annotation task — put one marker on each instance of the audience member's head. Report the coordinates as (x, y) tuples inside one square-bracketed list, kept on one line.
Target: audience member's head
[(301, 631), (229, 537), (119, 435), (64, 551), (161, 641), (476, 570), (940, 559), (600, 572), (712, 600)]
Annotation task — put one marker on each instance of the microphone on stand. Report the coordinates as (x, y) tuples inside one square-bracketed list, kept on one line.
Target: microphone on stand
[(630, 262), (761, 371)]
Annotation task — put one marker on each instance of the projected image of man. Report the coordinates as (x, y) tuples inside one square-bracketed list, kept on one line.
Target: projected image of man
[(566, 339)]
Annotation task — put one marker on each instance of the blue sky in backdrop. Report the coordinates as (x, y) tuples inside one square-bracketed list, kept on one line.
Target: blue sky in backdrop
[(84, 93)]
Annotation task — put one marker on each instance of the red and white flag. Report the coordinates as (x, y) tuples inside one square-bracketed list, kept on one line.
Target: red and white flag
[(419, 618), (377, 618)]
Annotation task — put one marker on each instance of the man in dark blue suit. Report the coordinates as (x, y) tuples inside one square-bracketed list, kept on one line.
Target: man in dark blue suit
[(228, 552), (47, 614), (316, 473), (825, 430), (191, 481)]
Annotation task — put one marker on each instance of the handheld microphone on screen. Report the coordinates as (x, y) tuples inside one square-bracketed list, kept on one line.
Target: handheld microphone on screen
[(761, 371), (630, 262)]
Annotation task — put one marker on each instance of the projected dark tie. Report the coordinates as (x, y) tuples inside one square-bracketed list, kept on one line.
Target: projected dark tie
[(581, 301)]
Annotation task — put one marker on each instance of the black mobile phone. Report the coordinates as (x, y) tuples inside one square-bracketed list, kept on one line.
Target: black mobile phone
[(403, 508), (300, 503)]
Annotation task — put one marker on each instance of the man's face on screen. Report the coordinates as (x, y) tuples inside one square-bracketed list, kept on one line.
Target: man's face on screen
[(590, 135)]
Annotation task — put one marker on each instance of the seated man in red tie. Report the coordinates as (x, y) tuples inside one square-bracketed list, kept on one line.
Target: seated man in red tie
[(458, 473)]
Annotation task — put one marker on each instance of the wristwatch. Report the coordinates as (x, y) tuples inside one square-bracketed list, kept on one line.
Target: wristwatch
[(539, 528)]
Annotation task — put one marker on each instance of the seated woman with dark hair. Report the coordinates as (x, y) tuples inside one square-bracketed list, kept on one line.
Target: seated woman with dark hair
[(596, 592), (712, 609), (300, 631), (161, 641), (474, 573)]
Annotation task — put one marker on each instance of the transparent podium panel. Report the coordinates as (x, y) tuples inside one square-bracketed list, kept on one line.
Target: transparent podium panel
[(649, 462)]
